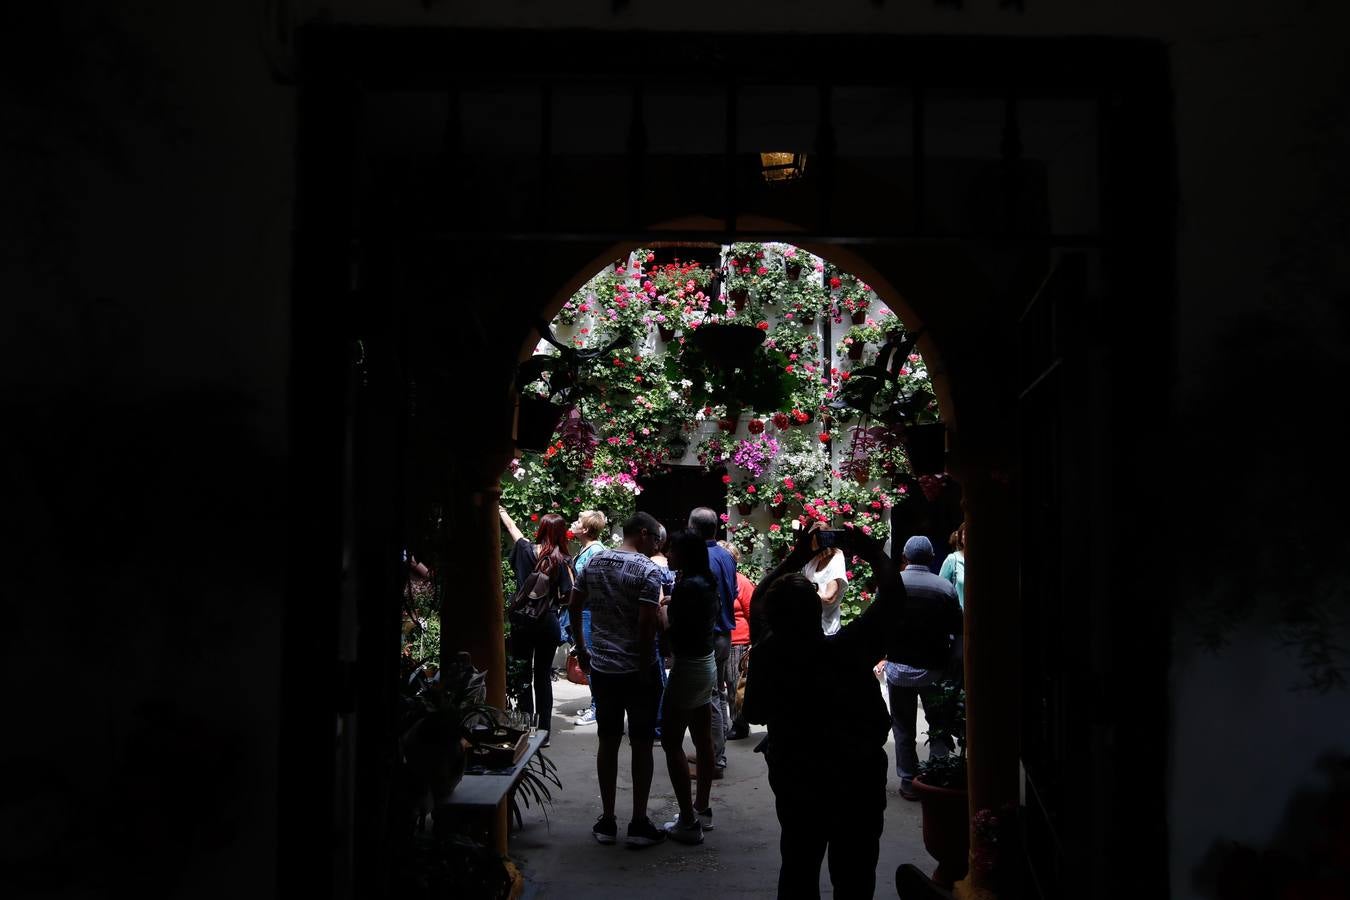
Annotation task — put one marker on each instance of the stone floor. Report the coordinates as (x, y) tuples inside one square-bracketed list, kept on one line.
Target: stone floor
[(560, 859)]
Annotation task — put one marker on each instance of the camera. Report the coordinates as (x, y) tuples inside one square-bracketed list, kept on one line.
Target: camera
[(832, 538)]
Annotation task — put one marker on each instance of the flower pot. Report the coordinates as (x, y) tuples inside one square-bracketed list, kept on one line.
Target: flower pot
[(536, 420), (946, 831), (862, 476), (794, 271), (778, 510), (740, 297), (926, 447), (667, 332), (809, 321), (745, 508), (855, 350), (728, 346), (859, 316)]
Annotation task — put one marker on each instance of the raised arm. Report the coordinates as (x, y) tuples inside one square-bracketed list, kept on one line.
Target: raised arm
[(510, 525), (801, 553)]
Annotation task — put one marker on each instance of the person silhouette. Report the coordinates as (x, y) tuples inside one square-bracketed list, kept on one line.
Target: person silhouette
[(829, 789)]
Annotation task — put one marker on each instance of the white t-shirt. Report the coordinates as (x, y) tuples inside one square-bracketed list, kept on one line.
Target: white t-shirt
[(834, 570)]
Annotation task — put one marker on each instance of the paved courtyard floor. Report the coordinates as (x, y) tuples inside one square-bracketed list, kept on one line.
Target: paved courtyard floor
[(560, 859)]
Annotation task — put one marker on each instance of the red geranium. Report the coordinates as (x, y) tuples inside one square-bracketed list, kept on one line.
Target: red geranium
[(781, 420), (726, 479), (835, 283), (824, 437), (756, 426)]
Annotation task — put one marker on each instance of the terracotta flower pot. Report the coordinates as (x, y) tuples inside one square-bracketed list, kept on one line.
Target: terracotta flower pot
[(745, 508), (855, 350), (860, 316), (778, 511), (946, 831), (667, 332), (809, 321), (739, 297)]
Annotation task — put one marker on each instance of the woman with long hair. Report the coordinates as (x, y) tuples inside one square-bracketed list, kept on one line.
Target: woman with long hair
[(536, 644), (688, 616)]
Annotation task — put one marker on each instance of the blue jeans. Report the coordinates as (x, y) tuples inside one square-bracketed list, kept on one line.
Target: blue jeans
[(586, 636), (905, 696)]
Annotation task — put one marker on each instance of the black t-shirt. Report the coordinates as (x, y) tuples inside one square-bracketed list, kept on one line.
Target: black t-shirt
[(524, 559), (693, 609)]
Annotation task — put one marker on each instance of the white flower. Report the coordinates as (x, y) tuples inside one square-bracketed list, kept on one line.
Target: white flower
[(685, 382), (519, 473)]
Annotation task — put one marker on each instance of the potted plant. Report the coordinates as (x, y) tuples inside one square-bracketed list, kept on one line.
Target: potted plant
[(855, 298), (941, 786), (856, 338), (743, 494)]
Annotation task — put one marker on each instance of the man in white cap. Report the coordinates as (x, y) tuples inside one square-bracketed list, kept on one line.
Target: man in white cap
[(920, 659)]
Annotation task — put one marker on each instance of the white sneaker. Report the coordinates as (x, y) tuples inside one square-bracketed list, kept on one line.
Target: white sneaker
[(691, 833), (705, 818), (586, 717)]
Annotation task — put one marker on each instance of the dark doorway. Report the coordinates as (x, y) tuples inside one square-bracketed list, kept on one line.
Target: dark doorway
[(670, 497)]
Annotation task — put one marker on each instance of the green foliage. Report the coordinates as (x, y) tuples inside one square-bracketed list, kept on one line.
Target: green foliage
[(950, 707), (635, 404)]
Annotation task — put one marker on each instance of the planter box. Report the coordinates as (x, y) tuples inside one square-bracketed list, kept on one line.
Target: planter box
[(946, 830)]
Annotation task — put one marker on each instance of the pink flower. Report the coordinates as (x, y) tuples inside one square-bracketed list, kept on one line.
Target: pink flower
[(724, 517)]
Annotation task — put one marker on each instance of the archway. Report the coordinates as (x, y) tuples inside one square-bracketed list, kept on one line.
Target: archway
[(977, 324)]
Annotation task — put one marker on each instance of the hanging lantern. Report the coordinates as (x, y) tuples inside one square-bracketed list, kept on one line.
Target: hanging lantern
[(782, 166)]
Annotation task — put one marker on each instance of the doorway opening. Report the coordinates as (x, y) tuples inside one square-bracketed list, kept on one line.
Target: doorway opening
[(959, 191)]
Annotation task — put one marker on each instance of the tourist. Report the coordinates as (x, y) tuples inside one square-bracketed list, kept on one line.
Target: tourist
[(828, 571), (589, 528), (826, 721), (687, 616), (705, 522), (622, 588), (740, 641), (919, 659), (954, 566), (536, 645)]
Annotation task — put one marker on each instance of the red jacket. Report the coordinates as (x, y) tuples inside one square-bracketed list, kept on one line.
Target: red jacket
[(740, 635)]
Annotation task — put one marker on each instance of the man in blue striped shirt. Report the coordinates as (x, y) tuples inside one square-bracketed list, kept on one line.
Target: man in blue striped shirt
[(705, 521)]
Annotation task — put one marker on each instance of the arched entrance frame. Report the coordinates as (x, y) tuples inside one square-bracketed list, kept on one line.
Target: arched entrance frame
[(982, 463)]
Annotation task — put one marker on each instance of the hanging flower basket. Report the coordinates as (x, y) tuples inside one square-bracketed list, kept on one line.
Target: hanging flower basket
[(536, 420), (855, 350), (667, 332), (859, 316), (739, 297), (728, 345), (926, 447), (745, 508), (778, 511)]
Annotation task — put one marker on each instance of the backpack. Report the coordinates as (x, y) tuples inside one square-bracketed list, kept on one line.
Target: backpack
[(532, 601)]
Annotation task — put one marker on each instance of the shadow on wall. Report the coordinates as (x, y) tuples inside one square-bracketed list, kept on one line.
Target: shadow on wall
[(1308, 858)]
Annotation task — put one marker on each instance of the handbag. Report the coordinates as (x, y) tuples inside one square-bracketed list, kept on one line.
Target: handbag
[(575, 673), (743, 671)]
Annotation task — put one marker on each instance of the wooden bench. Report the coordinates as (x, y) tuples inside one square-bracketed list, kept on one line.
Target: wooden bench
[(481, 798)]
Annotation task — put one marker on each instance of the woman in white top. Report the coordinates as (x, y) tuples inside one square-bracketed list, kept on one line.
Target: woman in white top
[(829, 573)]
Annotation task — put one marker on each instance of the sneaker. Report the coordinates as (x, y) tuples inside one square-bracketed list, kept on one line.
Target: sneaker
[(685, 833), (705, 818), (606, 829), (586, 716), (644, 834)]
